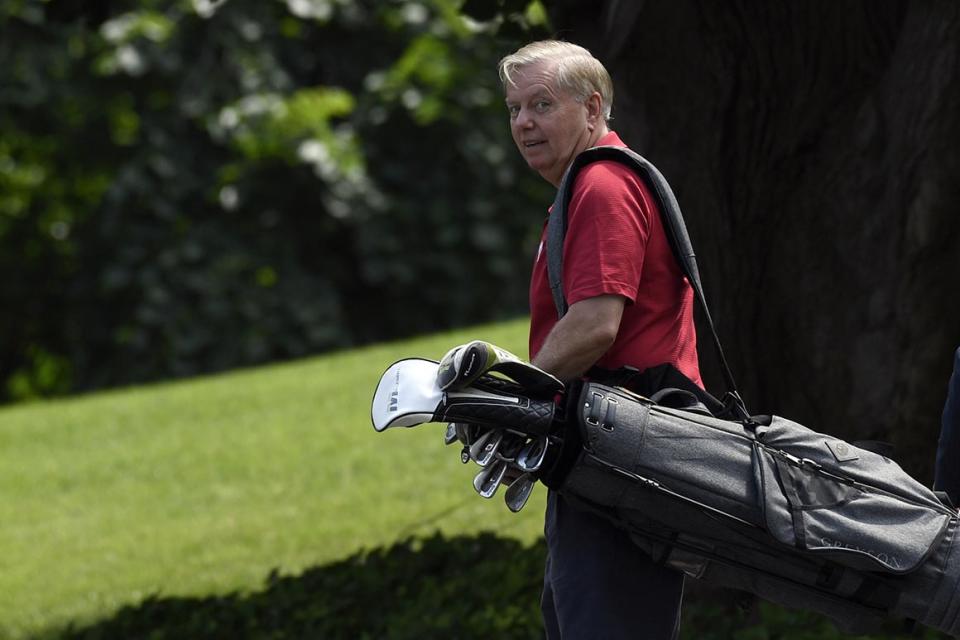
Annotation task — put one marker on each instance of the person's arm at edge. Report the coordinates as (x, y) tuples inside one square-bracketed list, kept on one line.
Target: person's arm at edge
[(946, 476), (581, 337)]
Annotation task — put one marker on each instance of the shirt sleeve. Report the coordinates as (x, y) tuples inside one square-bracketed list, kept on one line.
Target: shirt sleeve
[(608, 226)]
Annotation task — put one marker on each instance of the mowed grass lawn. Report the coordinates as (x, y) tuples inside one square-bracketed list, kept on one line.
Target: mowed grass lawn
[(204, 486)]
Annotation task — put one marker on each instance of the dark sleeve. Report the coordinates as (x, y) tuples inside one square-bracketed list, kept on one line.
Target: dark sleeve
[(947, 471)]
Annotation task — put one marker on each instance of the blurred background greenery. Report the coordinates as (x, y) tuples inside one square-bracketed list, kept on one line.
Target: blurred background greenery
[(197, 185)]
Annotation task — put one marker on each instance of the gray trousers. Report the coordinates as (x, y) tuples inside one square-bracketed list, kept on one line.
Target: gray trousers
[(598, 584)]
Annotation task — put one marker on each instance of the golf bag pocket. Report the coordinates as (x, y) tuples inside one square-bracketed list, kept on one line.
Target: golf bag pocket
[(850, 522), (684, 453)]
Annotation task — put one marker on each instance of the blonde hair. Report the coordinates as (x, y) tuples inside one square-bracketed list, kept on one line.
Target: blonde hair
[(577, 71)]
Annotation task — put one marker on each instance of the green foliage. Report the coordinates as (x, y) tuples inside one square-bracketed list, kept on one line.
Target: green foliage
[(192, 186)]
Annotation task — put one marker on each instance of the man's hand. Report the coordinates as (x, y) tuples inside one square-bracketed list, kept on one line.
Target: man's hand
[(581, 337)]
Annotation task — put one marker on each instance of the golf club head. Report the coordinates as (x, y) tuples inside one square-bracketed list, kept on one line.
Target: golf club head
[(467, 433), (451, 435), (487, 481), (511, 446), (447, 370), (485, 448), (518, 493), (407, 395), (463, 364), (531, 456)]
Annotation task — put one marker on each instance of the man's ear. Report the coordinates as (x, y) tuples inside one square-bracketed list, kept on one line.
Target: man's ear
[(594, 106)]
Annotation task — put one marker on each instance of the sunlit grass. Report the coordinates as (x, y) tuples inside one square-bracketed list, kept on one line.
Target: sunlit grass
[(205, 486)]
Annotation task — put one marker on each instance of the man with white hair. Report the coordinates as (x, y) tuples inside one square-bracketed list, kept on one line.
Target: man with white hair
[(629, 305)]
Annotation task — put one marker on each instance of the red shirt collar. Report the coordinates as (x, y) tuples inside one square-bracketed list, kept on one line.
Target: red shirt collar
[(611, 139)]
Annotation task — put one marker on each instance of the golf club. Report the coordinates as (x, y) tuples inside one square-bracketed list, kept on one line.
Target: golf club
[(462, 365), (487, 481), (531, 457), (467, 433), (483, 450), (519, 492)]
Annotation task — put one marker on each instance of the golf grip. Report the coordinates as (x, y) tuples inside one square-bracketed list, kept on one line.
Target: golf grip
[(533, 417)]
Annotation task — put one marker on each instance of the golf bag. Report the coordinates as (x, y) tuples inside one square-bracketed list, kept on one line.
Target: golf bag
[(765, 506)]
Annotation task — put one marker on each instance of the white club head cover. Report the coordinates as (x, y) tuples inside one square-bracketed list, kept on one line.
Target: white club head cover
[(407, 395)]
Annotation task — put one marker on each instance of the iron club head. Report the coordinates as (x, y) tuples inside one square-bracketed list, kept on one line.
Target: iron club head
[(519, 492), (487, 481), (485, 448), (531, 457)]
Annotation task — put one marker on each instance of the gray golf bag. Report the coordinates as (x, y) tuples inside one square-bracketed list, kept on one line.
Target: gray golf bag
[(766, 506)]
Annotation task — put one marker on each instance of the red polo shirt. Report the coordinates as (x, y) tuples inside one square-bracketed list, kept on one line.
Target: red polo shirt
[(615, 244)]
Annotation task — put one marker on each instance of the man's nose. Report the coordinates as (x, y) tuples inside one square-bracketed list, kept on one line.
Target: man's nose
[(523, 119)]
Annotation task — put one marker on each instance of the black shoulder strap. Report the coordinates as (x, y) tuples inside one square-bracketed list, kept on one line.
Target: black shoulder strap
[(673, 224)]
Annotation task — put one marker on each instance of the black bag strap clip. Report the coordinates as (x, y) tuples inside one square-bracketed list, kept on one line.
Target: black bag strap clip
[(734, 408)]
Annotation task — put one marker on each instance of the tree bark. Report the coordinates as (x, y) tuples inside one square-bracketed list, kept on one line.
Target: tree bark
[(813, 147)]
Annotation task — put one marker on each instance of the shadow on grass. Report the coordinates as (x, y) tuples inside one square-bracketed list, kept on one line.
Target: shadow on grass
[(483, 586), (477, 587)]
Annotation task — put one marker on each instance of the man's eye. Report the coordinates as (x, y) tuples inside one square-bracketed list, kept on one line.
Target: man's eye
[(542, 106), (513, 110)]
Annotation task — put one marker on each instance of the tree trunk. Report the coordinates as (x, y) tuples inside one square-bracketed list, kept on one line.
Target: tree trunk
[(813, 147)]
